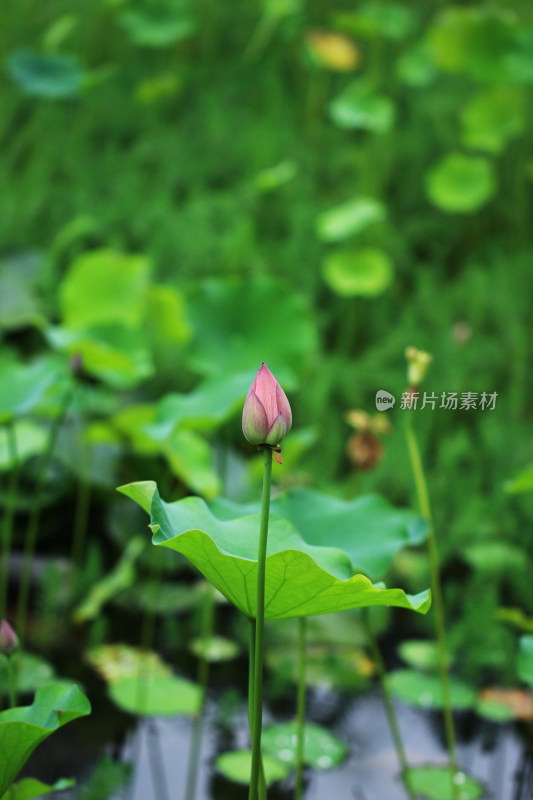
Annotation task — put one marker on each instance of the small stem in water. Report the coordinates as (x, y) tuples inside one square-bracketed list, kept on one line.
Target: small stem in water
[(436, 589), (202, 679), (389, 706), (35, 516), (257, 705), (300, 749), (11, 683)]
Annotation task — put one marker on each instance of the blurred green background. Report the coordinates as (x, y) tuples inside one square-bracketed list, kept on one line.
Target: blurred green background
[(192, 188)]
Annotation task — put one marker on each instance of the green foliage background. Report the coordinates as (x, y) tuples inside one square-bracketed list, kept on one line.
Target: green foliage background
[(204, 140)]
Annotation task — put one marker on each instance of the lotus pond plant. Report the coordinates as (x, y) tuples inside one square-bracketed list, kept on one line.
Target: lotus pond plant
[(305, 558)]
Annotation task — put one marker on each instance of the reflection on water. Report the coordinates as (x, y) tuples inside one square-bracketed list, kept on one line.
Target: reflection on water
[(491, 753)]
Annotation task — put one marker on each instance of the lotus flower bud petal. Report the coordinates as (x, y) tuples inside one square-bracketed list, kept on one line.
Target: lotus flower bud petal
[(9, 640), (254, 419), (277, 431), (266, 416)]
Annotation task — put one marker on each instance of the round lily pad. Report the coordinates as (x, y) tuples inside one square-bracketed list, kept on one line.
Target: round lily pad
[(435, 783), (322, 750), (359, 108), (461, 184), (364, 272), (152, 694), (46, 75), (236, 766), (425, 691), (216, 648), (347, 219)]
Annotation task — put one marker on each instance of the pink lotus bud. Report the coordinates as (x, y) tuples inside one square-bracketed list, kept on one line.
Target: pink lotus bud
[(266, 416), (9, 641)]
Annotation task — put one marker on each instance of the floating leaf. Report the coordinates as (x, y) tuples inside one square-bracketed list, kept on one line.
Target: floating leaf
[(215, 649), (322, 750), (425, 691), (358, 108), (364, 272), (434, 783), (461, 184), (493, 118), (420, 654), (236, 766), (161, 597), (367, 528), (159, 24), (154, 695), (140, 682), (30, 788), (333, 50), (234, 320), (23, 728), (20, 305), (502, 704), (345, 220), (301, 580), (49, 75)]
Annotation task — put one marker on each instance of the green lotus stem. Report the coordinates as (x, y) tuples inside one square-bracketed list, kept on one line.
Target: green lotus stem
[(389, 706), (436, 589), (81, 516), (35, 517), (7, 528), (300, 720), (202, 679), (11, 682), (251, 669), (257, 703)]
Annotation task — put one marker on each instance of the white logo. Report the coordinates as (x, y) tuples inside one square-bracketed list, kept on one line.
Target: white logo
[(384, 400)]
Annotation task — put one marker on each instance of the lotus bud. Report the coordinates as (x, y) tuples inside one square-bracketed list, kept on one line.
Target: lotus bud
[(417, 365), (266, 416), (9, 641)]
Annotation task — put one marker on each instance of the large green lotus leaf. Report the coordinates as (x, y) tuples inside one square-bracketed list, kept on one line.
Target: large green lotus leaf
[(209, 405), (461, 184), (347, 219), (104, 287), (236, 766), (301, 579), (433, 782), (22, 729), (22, 386), (30, 788), (191, 459), (159, 24), (49, 75), (115, 354), (493, 118), (359, 108), (234, 320), (31, 440), (363, 271), (425, 691), (367, 528), (322, 750)]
